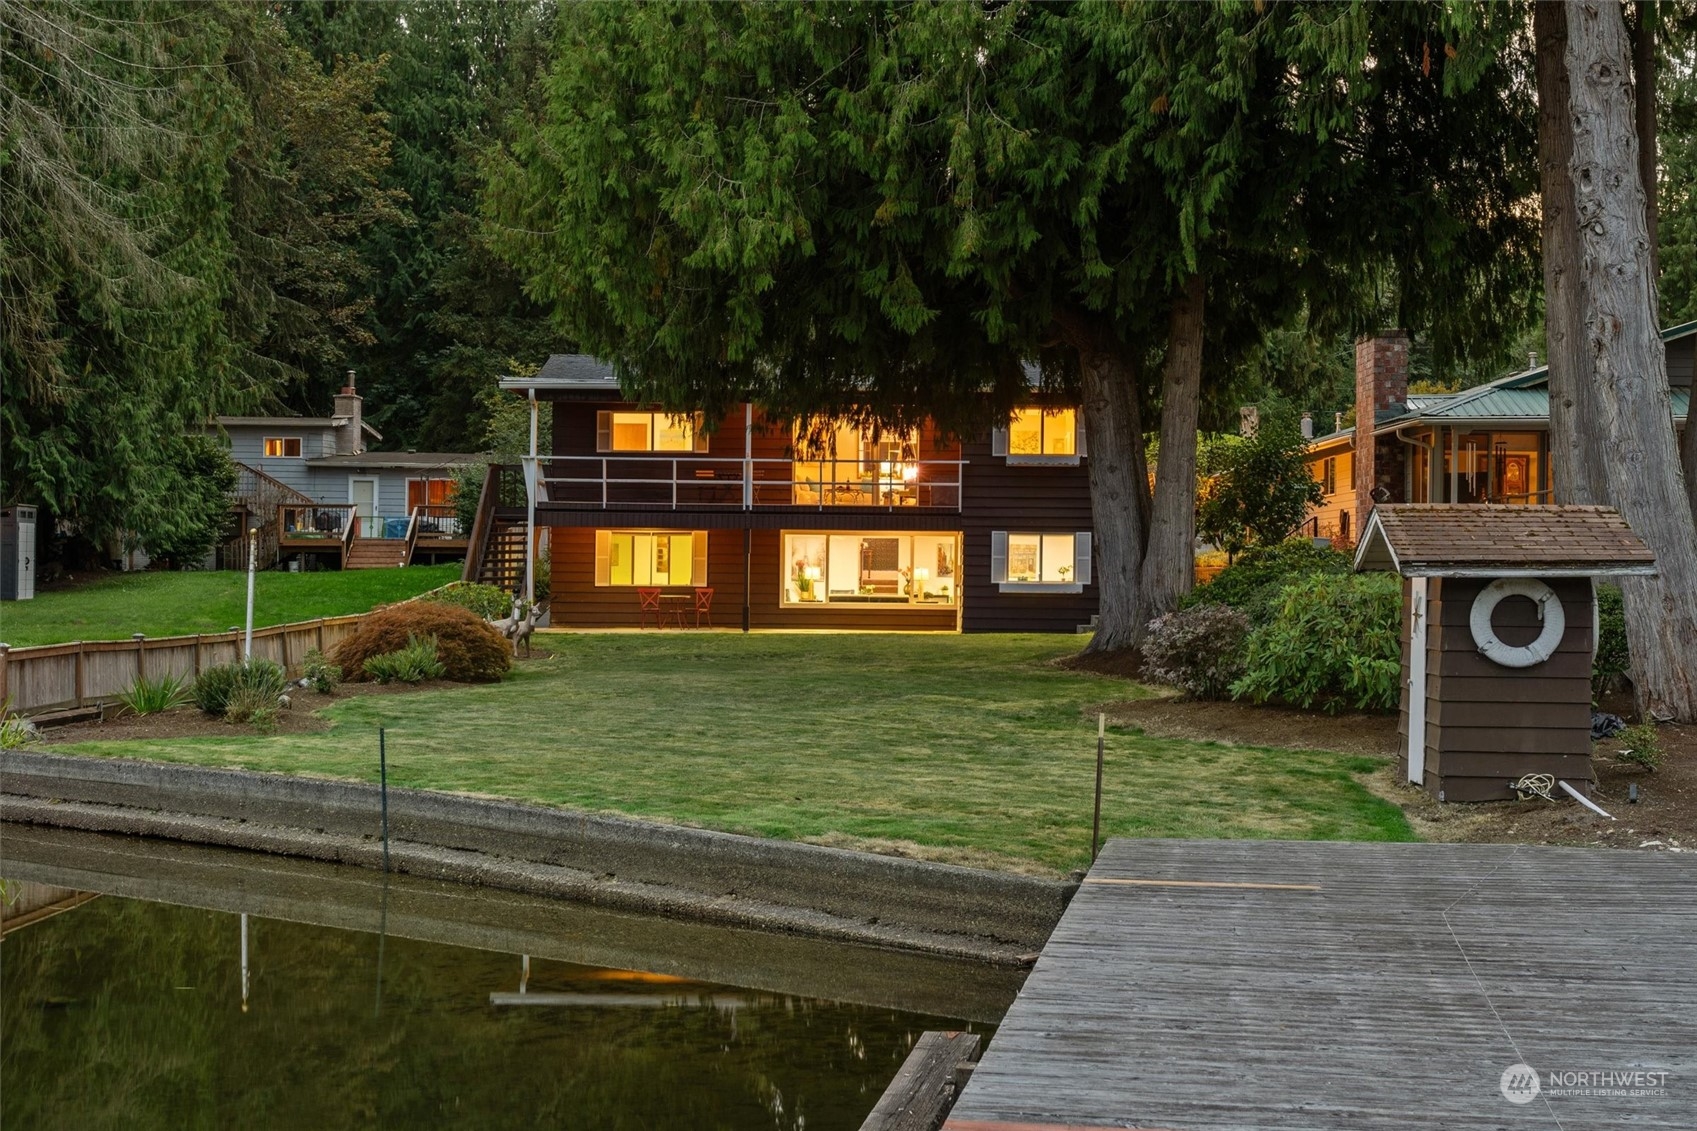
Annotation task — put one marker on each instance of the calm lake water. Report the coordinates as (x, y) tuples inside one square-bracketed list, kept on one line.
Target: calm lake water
[(128, 1012)]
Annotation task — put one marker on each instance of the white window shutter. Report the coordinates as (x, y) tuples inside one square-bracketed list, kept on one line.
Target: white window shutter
[(998, 556), (699, 572), (1079, 445), (603, 431), (1081, 557), (999, 441), (603, 557)]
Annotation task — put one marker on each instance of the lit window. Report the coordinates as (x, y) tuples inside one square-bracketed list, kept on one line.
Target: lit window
[(282, 447), (846, 466), (648, 432), (651, 557), (1043, 436), (430, 492), (871, 568), (1040, 562)]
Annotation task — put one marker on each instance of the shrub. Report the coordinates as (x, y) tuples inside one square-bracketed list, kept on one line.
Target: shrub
[(415, 663), (252, 704), (1253, 582), (488, 601), (15, 730), (217, 686), (1199, 651), (470, 651), (1640, 745), (1612, 659), (150, 696), (320, 672), (1334, 640)]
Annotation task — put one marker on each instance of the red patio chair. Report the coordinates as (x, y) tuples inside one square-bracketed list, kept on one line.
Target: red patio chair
[(648, 601), (704, 604)]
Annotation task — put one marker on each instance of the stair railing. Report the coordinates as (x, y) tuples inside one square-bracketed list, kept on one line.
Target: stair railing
[(412, 536), (350, 533), (477, 541)]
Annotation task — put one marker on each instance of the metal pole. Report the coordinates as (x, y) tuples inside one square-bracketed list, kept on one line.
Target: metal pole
[(252, 564), (532, 475), (383, 789), (1096, 818), (244, 962)]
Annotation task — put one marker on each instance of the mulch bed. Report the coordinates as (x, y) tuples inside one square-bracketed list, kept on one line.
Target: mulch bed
[(1663, 818)]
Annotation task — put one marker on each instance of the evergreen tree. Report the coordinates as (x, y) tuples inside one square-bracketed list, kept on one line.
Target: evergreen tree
[(881, 210)]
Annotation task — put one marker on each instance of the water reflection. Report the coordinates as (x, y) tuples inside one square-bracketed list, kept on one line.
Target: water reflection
[(125, 1013)]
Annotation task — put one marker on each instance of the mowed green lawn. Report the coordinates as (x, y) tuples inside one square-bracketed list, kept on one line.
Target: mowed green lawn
[(966, 748), (175, 604)]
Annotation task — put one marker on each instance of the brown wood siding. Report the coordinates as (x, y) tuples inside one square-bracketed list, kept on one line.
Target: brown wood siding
[(1488, 725), (577, 602), (1021, 498), (994, 496), (1682, 361)]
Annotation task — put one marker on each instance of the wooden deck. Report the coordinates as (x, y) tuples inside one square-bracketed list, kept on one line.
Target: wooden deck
[(1239, 984)]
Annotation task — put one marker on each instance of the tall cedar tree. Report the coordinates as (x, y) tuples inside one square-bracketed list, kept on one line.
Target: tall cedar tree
[(879, 210), (1623, 362)]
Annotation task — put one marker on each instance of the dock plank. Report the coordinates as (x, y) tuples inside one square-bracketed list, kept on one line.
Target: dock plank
[(1224, 985)]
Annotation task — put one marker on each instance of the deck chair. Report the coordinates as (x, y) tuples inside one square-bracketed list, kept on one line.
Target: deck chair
[(648, 601), (704, 606)]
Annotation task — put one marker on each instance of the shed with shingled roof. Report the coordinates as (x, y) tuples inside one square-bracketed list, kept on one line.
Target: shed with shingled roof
[(1499, 627)]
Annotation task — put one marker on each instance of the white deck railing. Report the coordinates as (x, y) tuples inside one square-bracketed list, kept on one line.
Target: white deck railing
[(687, 482)]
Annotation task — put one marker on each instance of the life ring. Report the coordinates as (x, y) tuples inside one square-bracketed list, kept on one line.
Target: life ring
[(1549, 611)]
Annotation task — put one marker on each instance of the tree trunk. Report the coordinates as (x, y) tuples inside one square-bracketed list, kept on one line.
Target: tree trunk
[(1169, 566), (1119, 484), (1576, 452), (1627, 365), (1644, 89)]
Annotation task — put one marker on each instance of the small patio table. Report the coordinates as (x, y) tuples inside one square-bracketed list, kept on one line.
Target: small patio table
[(675, 605)]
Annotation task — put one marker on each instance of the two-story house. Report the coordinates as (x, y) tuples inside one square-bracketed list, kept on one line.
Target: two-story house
[(1489, 444), (320, 496), (793, 529)]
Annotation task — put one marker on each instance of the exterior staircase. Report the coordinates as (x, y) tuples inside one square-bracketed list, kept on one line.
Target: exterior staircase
[(503, 557), (495, 548), (377, 553)]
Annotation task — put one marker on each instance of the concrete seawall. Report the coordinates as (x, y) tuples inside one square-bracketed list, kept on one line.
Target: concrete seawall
[(610, 862)]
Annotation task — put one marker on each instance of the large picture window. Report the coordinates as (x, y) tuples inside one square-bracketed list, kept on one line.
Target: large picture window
[(872, 568), (847, 466), (651, 557), (1038, 435), (1040, 563), (642, 431)]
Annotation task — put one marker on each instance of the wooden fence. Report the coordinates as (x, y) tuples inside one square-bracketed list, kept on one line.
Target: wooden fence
[(93, 671)]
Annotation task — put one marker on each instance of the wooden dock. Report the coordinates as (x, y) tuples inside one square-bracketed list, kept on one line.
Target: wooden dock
[(1242, 984)]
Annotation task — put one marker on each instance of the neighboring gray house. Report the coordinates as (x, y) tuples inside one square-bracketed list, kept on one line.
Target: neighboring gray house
[(301, 476)]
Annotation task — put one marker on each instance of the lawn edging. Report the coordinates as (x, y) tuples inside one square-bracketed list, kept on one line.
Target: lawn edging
[(612, 862)]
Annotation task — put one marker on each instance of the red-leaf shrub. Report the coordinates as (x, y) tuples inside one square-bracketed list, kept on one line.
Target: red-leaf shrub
[(469, 650)]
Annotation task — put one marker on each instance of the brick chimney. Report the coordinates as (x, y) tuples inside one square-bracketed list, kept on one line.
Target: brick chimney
[(350, 437), (1381, 382)]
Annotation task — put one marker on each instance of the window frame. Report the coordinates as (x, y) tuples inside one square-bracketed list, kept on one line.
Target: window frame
[(602, 578), (605, 431), (956, 588), (1000, 445), (1082, 573), (284, 442)]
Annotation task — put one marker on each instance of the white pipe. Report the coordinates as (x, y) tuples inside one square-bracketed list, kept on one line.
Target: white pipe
[(252, 563), (532, 473), (1585, 801)]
